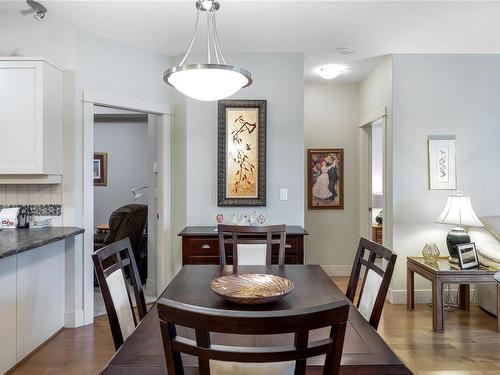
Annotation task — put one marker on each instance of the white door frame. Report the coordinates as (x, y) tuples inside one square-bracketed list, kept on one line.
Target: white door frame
[(164, 254), (364, 172)]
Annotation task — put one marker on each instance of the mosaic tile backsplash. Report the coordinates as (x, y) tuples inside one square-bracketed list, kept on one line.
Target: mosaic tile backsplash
[(41, 200), (39, 209)]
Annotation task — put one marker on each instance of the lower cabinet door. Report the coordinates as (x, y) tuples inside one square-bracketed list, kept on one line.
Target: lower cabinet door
[(40, 296), (7, 313)]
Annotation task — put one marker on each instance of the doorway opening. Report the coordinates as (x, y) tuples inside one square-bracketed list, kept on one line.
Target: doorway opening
[(157, 194), (377, 180), (373, 179), (125, 189)]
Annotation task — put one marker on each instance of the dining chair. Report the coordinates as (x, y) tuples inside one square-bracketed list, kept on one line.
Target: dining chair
[(218, 359), (110, 263), (375, 281), (251, 245)]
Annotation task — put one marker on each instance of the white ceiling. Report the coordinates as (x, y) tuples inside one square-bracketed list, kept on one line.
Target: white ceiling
[(317, 28)]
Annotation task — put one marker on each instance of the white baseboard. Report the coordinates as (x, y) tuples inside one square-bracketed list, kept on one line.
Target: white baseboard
[(398, 297), (337, 270), (73, 319)]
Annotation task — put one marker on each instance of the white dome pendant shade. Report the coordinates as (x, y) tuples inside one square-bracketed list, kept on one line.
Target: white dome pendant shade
[(210, 81), (207, 82)]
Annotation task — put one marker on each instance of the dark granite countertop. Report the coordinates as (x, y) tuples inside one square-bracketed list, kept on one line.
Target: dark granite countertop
[(16, 241)]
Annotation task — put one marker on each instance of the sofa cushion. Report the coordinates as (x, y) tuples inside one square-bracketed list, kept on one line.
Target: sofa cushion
[(488, 262), (487, 245), (492, 225)]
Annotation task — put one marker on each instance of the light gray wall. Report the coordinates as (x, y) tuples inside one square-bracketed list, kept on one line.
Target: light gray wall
[(441, 95), (179, 173), (278, 78), (127, 146), (331, 116), (106, 67), (376, 95)]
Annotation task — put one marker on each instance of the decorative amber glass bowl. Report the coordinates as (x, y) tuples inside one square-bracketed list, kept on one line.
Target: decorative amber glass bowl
[(251, 288)]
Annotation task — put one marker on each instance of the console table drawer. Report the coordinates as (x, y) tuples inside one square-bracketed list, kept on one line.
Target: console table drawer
[(200, 245), (291, 246)]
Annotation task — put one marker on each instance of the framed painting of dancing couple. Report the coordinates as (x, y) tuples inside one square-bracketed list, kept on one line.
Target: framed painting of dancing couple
[(325, 185)]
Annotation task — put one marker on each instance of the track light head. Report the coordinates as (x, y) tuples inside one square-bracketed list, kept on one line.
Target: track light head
[(38, 9)]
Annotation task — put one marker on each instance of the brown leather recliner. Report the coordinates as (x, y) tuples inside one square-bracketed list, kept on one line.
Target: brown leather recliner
[(127, 221)]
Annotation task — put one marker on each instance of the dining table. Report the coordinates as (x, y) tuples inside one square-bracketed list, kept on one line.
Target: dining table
[(365, 352)]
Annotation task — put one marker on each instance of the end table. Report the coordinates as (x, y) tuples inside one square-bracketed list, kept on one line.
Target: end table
[(442, 273)]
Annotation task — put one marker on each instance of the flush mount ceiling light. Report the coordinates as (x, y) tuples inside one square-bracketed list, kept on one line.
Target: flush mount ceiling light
[(330, 71), (214, 79), (344, 51)]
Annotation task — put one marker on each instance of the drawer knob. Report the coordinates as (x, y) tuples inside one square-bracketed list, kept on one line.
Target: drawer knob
[(205, 246), (288, 246)]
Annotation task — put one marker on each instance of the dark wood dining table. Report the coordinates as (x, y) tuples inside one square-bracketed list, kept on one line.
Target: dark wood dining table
[(365, 352)]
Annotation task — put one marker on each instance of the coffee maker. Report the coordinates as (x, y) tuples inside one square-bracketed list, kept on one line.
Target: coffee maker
[(22, 218)]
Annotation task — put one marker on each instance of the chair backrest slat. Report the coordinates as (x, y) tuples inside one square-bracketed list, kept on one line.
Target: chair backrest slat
[(235, 235), (376, 275), (231, 322), (119, 257)]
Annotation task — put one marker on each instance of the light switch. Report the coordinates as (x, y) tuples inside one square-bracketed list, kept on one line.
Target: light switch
[(283, 194), (155, 167)]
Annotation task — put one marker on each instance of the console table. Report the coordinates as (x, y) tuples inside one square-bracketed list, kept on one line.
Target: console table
[(200, 245), (442, 273)]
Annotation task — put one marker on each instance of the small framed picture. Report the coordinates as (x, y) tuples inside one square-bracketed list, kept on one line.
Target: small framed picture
[(467, 256), (442, 169), (100, 168)]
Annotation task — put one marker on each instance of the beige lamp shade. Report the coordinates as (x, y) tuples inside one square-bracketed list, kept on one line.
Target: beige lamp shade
[(459, 211)]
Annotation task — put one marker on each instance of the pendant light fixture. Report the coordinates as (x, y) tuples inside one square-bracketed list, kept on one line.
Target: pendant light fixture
[(214, 79)]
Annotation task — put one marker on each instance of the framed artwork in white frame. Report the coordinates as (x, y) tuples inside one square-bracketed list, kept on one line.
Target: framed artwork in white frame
[(442, 163)]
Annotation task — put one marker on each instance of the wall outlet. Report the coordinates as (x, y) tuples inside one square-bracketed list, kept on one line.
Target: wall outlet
[(283, 194), (155, 167)]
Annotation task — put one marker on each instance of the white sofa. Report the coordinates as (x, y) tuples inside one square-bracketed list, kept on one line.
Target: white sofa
[(487, 242)]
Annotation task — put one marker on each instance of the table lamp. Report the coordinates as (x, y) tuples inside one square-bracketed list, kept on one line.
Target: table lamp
[(458, 211)]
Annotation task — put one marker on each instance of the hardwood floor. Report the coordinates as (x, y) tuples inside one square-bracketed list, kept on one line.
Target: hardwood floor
[(80, 351), (469, 346)]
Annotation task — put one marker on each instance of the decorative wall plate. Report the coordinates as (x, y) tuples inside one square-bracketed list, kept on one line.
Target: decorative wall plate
[(251, 288)]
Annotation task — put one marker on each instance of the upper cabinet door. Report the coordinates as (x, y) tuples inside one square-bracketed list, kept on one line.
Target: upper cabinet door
[(30, 118)]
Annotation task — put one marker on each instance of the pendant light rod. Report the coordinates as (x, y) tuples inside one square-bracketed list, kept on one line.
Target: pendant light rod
[(212, 38), (217, 46), (192, 39), (209, 38)]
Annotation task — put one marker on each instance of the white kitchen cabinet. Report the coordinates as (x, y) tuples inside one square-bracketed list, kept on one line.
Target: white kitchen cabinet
[(31, 118), (40, 296), (7, 313)]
